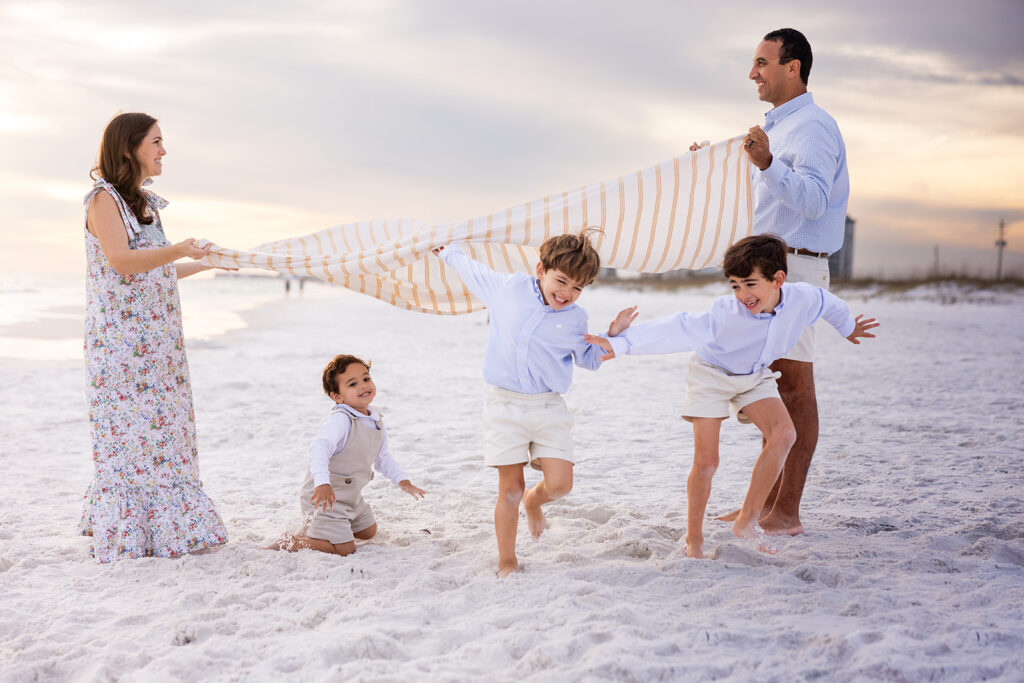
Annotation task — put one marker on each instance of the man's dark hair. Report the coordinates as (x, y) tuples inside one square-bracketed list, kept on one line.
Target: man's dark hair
[(794, 46), (766, 253)]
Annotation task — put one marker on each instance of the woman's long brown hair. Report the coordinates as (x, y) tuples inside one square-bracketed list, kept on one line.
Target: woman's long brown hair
[(117, 163)]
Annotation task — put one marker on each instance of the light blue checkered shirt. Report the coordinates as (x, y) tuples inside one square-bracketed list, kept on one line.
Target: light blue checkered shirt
[(531, 346), (732, 337), (802, 196)]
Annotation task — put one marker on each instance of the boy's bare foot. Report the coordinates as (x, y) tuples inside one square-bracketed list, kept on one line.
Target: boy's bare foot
[(534, 516), (506, 567), (755, 534), (695, 550)]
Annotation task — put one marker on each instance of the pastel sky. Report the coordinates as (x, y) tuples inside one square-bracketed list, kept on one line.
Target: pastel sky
[(285, 117)]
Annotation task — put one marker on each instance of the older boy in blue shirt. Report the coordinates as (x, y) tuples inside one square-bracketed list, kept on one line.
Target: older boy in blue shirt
[(535, 334), (734, 343)]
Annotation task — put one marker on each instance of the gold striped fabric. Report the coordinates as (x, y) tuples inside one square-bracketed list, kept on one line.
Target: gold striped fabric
[(681, 213)]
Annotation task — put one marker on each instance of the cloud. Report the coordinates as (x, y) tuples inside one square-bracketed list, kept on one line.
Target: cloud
[(450, 109)]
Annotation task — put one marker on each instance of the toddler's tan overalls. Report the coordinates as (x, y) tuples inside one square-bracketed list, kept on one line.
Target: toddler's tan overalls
[(351, 469)]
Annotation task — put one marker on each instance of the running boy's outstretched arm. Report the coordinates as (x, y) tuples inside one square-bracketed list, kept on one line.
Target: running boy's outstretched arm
[(622, 321), (603, 343), (483, 282), (860, 329)]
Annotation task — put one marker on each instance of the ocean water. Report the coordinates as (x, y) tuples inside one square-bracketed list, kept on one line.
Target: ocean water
[(41, 318)]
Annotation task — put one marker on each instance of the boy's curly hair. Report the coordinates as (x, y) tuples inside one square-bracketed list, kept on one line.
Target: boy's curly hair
[(573, 255), (765, 252), (336, 367)]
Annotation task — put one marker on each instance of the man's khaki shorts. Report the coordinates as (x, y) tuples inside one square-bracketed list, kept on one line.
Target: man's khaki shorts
[(814, 271)]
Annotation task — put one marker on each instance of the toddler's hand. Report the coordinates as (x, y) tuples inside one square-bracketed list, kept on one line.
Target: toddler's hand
[(437, 251), (323, 497), (623, 320), (862, 327), (414, 491), (603, 343)]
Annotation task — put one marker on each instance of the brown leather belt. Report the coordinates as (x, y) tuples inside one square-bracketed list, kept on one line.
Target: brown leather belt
[(807, 252)]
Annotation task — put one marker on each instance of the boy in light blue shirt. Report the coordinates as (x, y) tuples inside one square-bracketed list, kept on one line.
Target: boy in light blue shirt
[(734, 343), (535, 334)]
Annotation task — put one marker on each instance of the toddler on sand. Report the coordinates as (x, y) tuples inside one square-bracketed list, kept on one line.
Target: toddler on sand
[(350, 444)]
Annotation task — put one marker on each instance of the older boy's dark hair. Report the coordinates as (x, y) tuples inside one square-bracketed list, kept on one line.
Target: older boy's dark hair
[(336, 367), (767, 253), (794, 46), (573, 255)]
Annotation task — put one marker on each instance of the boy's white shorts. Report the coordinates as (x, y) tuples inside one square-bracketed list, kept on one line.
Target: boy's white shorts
[(519, 428), (710, 389), (814, 271)]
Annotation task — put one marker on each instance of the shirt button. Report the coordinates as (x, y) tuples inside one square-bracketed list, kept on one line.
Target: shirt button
[(348, 480)]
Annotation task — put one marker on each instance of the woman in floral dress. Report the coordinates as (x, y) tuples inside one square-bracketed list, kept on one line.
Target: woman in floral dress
[(146, 497)]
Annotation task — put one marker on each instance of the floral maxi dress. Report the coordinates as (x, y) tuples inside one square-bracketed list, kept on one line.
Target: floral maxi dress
[(146, 497)]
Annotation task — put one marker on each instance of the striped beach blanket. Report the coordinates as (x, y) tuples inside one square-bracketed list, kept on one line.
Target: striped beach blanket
[(681, 213)]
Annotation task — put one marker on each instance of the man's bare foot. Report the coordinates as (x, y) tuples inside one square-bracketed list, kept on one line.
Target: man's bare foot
[(729, 516), (506, 567), (755, 534), (775, 525), (695, 550), (534, 516)]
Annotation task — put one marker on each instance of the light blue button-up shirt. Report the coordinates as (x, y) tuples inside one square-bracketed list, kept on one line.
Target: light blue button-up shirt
[(732, 337), (531, 346), (802, 195)]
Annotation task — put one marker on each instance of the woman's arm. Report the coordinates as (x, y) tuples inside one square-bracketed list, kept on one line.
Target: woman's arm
[(105, 223), (193, 267)]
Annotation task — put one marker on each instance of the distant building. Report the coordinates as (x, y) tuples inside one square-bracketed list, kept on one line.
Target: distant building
[(840, 264)]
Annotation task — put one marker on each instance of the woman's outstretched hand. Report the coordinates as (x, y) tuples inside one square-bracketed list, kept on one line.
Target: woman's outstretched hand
[(188, 249)]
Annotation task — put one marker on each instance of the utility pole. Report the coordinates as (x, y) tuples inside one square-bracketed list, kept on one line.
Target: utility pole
[(1000, 245)]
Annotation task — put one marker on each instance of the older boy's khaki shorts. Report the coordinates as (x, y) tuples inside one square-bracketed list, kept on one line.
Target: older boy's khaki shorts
[(710, 390), (341, 522), (520, 428), (814, 271)]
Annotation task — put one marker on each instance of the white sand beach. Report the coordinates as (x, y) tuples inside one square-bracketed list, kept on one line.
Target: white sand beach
[(912, 567)]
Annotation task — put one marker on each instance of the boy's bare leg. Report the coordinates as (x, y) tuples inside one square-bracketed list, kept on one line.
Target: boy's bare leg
[(557, 482), (781, 513), (706, 431), (772, 418), (506, 516)]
